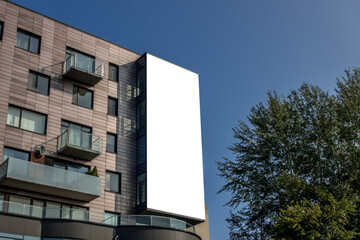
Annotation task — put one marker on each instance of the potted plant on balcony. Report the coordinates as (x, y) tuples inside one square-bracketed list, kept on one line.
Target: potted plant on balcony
[(93, 172)]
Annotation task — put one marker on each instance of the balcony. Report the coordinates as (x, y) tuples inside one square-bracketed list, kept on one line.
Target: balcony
[(78, 144), (83, 69), (40, 178), (94, 217)]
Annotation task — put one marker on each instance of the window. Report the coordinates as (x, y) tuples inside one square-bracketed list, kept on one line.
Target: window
[(82, 97), (140, 150), (141, 115), (13, 153), (27, 120), (70, 166), (38, 83), (112, 182), (1, 30), (112, 106), (28, 41), (140, 189), (141, 81), (111, 143), (113, 72)]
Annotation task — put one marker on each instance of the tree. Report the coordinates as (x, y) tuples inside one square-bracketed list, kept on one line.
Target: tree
[(296, 170)]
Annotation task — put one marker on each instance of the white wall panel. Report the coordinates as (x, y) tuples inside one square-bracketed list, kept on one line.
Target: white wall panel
[(174, 151)]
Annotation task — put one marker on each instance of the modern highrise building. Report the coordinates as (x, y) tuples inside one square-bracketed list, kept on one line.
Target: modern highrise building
[(97, 141)]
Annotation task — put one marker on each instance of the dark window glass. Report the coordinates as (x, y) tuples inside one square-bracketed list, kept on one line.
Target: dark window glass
[(140, 150), (82, 97), (27, 120), (71, 166), (112, 182), (38, 83), (141, 115), (113, 72), (111, 143), (1, 29), (13, 153), (28, 41), (112, 106), (141, 189), (141, 81)]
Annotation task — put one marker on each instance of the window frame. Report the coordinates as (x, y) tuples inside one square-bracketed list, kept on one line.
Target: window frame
[(119, 183), (139, 193), (20, 118), (77, 96), (37, 74), (2, 30), (115, 143), (117, 72), (16, 149), (67, 164), (30, 35), (116, 106)]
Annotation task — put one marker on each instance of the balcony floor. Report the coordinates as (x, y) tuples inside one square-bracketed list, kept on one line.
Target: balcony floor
[(77, 152), (82, 76)]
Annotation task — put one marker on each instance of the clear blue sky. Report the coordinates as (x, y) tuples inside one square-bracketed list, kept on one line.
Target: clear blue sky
[(242, 49)]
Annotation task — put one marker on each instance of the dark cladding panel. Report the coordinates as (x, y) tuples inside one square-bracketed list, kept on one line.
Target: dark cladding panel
[(20, 226)]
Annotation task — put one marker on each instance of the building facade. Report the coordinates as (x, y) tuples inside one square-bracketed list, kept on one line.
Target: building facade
[(98, 141)]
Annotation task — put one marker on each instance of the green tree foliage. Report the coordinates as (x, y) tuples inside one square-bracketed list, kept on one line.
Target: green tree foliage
[(296, 171)]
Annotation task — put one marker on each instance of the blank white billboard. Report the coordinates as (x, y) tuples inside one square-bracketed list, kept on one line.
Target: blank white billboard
[(174, 150)]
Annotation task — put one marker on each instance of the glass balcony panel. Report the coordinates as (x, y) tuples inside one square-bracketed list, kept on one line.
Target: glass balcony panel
[(69, 61), (110, 219), (177, 224), (142, 220), (66, 212), (83, 68), (89, 184), (45, 175), (18, 208), (50, 180), (37, 208), (67, 179), (79, 214), (85, 63), (160, 221), (79, 144), (20, 170)]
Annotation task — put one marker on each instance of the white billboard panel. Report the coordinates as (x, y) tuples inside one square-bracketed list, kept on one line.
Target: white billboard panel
[(174, 151)]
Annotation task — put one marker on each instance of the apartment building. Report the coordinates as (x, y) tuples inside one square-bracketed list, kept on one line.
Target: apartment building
[(97, 141)]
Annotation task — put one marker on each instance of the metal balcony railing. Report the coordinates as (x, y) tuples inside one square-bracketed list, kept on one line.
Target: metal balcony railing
[(83, 68), (84, 63), (79, 144), (101, 218), (41, 178)]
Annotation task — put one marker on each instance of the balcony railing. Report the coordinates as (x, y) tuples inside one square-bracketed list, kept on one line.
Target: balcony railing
[(95, 217), (83, 68), (40, 178), (79, 144)]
